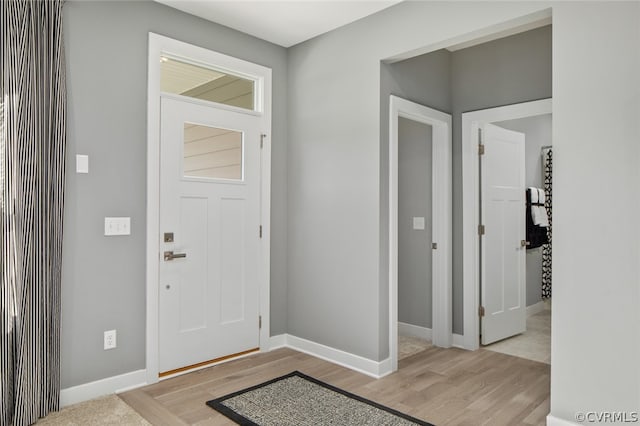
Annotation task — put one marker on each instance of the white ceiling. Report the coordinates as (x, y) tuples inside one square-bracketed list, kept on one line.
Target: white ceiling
[(285, 23)]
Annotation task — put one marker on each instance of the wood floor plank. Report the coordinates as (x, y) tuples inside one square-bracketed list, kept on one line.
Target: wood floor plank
[(442, 386), (150, 409), (196, 378), (539, 415)]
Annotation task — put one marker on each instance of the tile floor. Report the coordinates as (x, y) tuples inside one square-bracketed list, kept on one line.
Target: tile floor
[(408, 346), (534, 344)]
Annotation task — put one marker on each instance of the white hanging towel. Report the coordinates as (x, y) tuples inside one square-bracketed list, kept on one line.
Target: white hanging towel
[(533, 195), (539, 212)]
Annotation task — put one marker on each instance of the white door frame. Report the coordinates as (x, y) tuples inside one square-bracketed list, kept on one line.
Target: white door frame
[(441, 216), (159, 45), (470, 204)]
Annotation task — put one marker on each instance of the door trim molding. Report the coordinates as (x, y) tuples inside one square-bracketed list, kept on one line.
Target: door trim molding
[(158, 45), (470, 204), (441, 217)]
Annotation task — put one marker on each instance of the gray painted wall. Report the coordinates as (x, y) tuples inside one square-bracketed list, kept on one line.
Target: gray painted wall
[(537, 132), (103, 284), (414, 200), (333, 256), (596, 129)]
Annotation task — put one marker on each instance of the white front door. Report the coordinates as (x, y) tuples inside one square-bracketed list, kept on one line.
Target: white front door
[(209, 233), (502, 207)]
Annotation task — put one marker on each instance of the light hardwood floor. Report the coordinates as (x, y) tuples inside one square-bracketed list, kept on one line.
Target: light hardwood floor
[(442, 386)]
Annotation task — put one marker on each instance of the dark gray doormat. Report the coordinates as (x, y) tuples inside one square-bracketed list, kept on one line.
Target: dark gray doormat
[(297, 399)]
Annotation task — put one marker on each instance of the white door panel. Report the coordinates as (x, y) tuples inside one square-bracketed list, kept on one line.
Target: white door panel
[(210, 201), (503, 215)]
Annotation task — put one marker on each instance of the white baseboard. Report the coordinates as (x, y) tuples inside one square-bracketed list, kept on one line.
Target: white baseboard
[(115, 384), (405, 329), (554, 421), (376, 369), (277, 342), (384, 368), (136, 379), (536, 308), (458, 341), (426, 333)]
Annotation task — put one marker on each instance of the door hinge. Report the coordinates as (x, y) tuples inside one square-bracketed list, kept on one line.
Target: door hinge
[(262, 136), (260, 321), (480, 229), (480, 149), (481, 311), (260, 231)]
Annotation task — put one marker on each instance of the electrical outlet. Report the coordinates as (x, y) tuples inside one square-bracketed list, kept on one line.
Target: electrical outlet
[(109, 339)]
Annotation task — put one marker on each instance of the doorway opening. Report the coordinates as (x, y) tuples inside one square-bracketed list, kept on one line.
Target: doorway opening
[(419, 227), (531, 120), (457, 78)]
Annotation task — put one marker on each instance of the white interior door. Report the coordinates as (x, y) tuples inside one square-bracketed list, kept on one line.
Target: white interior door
[(502, 210), (209, 225)]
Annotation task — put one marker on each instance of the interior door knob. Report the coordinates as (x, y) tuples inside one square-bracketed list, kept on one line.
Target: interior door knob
[(169, 255)]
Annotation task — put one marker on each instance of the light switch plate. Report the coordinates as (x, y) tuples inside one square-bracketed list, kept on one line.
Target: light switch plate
[(82, 164), (117, 226), (418, 223)]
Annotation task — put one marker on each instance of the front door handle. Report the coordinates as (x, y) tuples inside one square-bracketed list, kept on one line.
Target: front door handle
[(169, 255)]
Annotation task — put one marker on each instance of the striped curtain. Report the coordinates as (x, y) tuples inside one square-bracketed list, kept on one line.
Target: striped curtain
[(32, 152), (547, 175)]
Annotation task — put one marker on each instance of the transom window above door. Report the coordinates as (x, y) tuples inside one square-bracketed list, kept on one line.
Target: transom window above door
[(209, 84)]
